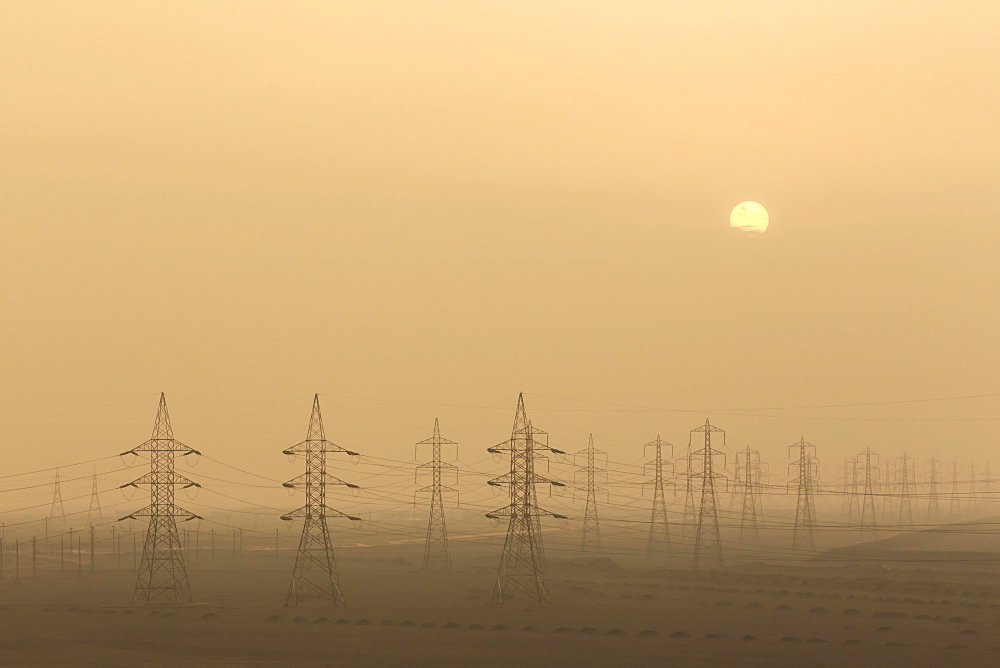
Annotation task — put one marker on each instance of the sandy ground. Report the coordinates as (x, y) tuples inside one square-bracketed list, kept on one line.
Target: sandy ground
[(604, 611)]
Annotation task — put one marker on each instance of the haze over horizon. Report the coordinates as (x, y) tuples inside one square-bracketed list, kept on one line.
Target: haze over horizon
[(245, 203)]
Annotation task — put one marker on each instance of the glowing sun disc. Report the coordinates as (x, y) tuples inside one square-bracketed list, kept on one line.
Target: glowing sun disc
[(749, 217)]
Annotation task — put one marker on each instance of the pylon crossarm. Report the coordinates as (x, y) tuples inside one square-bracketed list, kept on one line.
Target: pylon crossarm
[(314, 445), (162, 445), (303, 480), (162, 478)]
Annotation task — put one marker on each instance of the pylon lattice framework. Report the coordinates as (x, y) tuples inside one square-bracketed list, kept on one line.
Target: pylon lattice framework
[(749, 473), (94, 515), (866, 468), (162, 574), (906, 477), (708, 537), (591, 537), (314, 577), (659, 527), (436, 554), (58, 511), (805, 506), (521, 570)]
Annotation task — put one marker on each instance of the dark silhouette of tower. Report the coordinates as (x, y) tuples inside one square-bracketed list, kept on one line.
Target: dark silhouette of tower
[(955, 506), (436, 553), (591, 538), (659, 528), (522, 562), (905, 474), (162, 574), (866, 464), (314, 577), (57, 514), (94, 512), (805, 508), (690, 513), (933, 511), (748, 466), (708, 537)]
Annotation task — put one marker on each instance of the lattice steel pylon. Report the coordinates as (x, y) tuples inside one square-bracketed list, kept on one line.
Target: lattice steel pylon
[(749, 473), (906, 475), (162, 575), (314, 577), (933, 510), (866, 463), (58, 511), (591, 537), (522, 562), (659, 527), (690, 513), (436, 554), (955, 507), (708, 536), (94, 511), (805, 507)]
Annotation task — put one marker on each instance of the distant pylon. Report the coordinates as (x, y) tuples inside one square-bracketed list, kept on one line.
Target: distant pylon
[(708, 537), (805, 508), (659, 528), (973, 501), (906, 475), (57, 513), (886, 495), (436, 553), (690, 514), (94, 512), (851, 490), (591, 537), (867, 465), (522, 562), (748, 465), (955, 507), (933, 511), (162, 574), (314, 577), (987, 487)]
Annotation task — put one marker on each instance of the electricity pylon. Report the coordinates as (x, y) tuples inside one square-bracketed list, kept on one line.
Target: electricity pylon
[(906, 475), (868, 463), (708, 537), (522, 562), (57, 513), (659, 528), (987, 487), (162, 575), (933, 511), (955, 507), (314, 576), (591, 538), (690, 514), (973, 502), (805, 508), (94, 512), (748, 466), (436, 553), (887, 495)]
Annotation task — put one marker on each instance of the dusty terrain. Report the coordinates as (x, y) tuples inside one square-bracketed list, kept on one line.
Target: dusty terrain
[(605, 610)]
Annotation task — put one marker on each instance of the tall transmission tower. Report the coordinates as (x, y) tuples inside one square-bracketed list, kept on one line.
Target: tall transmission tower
[(748, 466), (906, 474), (162, 575), (708, 537), (659, 528), (867, 461), (522, 562), (887, 495), (805, 508), (987, 487), (94, 512), (57, 513), (690, 514), (955, 507), (933, 511), (314, 577), (973, 501), (591, 538), (436, 553)]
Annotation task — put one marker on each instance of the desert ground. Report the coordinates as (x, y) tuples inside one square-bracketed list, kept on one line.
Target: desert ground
[(899, 606)]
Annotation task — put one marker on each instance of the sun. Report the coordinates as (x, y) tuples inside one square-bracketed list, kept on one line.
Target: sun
[(749, 216)]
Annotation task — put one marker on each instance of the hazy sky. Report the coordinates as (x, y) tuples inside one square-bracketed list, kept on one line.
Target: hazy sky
[(243, 203)]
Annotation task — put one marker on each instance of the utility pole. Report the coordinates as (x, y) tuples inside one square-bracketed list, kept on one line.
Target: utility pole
[(94, 512), (933, 511), (748, 466), (708, 537), (659, 528), (906, 474), (315, 576), (162, 574), (805, 508), (591, 538), (436, 554), (868, 462), (522, 562)]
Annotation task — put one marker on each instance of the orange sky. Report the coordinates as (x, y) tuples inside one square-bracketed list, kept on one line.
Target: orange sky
[(243, 203)]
